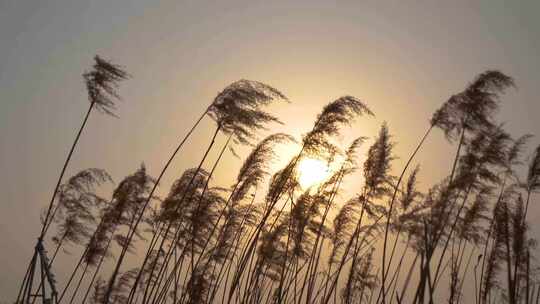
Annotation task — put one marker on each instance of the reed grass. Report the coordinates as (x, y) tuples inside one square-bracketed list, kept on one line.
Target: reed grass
[(205, 243)]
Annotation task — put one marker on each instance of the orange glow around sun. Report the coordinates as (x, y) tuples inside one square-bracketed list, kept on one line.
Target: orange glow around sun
[(312, 171)]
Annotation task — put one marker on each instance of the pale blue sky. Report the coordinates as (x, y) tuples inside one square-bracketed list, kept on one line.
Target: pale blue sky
[(404, 58)]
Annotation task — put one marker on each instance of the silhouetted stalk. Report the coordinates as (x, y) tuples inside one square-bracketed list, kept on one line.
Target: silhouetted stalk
[(179, 261), (296, 280), (284, 266), (452, 229), (293, 285), (528, 278), (291, 277), (162, 291), (252, 264), (83, 274), (214, 226), (268, 295), (30, 282), (477, 287), (157, 285), (176, 277), (173, 277), (314, 271), (408, 278), (56, 250), (327, 280), (185, 294), (226, 264), (456, 261), (217, 284), (146, 203), (164, 237), (96, 271), (153, 242), (43, 290), (517, 260), (298, 269), (151, 248), (79, 263), (423, 281), (311, 272), (430, 286), (395, 276), (162, 271), (449, 213), (276, 220), (348, 286), (193, 266), (420, 290), (490, 231), (47, 218), (484, 257), (201, 197), (464, 274), (323, 288), (529, 191), (251, 282), (508, 258), (252, 242), (221, 268), (427, 270), (313, 276), (81, 259), (458, 152), (23, 286), (100, 84), (175, 239), (345, 253), (63, 171), (52, 216), (264, 284), (394, 195), (236, 240), (226, 282), (537, 295)]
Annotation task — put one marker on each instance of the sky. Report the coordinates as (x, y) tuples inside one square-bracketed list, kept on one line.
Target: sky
[(403, 58)]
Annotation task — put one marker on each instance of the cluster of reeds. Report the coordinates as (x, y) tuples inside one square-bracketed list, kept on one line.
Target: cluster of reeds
[(389, 243)]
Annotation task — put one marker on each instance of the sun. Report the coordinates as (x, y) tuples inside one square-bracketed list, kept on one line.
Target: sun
[(312, 171)]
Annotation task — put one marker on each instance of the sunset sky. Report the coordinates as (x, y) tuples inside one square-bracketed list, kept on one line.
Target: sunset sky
[(403, 58)]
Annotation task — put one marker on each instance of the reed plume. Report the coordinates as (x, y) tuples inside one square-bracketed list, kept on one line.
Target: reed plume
[(237, 111), (77, 206), (293, 243)]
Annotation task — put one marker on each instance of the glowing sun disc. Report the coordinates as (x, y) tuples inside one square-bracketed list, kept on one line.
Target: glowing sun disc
[(312, 172)]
